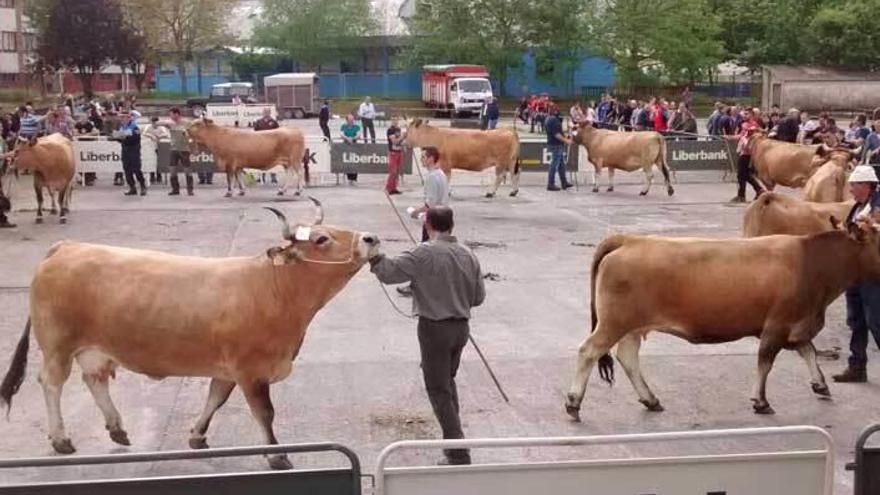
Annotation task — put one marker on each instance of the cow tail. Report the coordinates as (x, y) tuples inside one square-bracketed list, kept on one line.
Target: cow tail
[(609, 245), (664, 164), (15, 375)]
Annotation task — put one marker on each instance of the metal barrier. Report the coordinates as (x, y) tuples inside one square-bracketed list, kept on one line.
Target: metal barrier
[(780, 472), (867, 464), (313, 481)]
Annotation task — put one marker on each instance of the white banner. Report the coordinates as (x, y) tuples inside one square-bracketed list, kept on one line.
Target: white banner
[(102, 155), (245, 115)]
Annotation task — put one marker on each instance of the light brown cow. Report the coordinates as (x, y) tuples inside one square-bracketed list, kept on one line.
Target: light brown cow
[(782, 163), (828, 183), (240, 321), (234, 149), (52, 162), (777, 213), (469, 149), (705, 291), (627, 151)]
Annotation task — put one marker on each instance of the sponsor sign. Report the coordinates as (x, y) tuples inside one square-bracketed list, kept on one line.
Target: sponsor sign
[(101, 155), (536, 157), (245, 115), (700, 155), (365, 158)]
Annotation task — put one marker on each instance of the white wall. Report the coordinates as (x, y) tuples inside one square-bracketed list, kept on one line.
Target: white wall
[(7, 20), (8, 62)]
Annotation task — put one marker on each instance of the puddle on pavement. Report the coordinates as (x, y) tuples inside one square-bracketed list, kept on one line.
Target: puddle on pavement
[(486, 245), (406, 427)]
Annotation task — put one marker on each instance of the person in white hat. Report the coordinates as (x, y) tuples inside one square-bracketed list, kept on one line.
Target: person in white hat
[(863, 300)]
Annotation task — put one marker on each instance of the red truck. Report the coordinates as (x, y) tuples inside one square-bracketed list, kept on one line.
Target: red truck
[(456, 89)]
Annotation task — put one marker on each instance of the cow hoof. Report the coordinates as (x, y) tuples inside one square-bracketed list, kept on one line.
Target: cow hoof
[(64, 446), (610, 189), (490, 195), (120, 437), (643, 193), (228, 194), (39, 219), (281, 193), (821, 390), (298, 193), (574, 412), (514, 193), (652, 406), (763, 408), (62, 220), (670, 190), (279, 462), (198, 443), (53, 211), (241, 193), (595, 189)]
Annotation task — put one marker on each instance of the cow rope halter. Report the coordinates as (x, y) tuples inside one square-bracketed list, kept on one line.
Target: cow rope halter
[(319, 218)]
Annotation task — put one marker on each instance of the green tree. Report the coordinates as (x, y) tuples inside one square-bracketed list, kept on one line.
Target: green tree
[(313, 32), (649, 39), (249, 64), (558, 36), (846, 35)]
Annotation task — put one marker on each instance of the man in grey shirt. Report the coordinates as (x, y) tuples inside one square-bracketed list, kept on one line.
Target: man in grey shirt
[(436, 185), (446, 283)]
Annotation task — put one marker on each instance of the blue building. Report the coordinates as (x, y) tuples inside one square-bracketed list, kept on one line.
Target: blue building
[(369, 71)]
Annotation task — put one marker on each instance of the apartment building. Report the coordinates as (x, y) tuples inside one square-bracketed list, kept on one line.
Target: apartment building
[(15, 44)]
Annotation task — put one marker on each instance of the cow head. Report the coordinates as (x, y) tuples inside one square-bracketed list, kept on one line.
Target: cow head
[(322, 245), (199, 131), (842, 157), (23, 156), (415, 132), (865, 231), (754, 137)]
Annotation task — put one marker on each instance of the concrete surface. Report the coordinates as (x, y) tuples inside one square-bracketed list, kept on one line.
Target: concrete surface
[(357, 379)]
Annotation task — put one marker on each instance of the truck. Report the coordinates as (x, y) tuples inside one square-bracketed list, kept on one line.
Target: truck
[(223, 93), (455, 89), (295, 94)]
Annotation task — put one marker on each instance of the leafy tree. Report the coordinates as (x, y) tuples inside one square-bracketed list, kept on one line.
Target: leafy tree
[(557, 36), (647, 39), (846, 35), (249, 64), (494, 33), (182, 27), (314, 31), (81, 36)]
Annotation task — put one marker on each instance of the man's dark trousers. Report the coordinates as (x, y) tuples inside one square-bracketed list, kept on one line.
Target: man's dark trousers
[(441, 343), (863, 317)]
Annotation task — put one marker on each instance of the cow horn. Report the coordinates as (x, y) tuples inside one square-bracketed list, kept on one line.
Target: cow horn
[(285, 230), (319, 212)]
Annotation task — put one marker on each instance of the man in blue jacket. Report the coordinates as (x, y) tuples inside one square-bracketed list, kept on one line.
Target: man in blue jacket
[(130, 136), (492, 112)]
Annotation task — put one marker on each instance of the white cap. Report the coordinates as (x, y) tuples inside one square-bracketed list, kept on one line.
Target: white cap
[(863, 173)]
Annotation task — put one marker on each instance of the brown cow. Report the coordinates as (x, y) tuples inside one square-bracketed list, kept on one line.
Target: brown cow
[(240, 321), (777, 213), (827, 184), (781, 162), (234, 149), (627, 151), (705, 291), (469, 149), (52, 162)]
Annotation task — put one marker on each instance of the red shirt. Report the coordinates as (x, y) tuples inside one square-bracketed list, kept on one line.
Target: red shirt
[(659, 121)]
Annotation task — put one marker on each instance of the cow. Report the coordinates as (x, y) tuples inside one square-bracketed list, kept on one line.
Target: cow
[(470, 149), (777, 213), (52, 162), (705, 291), (828, 182), (782, 163), (627, 151), (234, 149), (240, 320)]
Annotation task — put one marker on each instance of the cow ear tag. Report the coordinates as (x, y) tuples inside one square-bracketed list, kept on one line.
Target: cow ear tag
[(303, 233)]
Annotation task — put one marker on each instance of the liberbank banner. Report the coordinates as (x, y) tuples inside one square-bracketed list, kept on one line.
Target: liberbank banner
[(365, 158), (717, 154)]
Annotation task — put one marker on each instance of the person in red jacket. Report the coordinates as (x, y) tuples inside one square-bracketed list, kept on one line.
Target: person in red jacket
[(660, 116), (744, 163)]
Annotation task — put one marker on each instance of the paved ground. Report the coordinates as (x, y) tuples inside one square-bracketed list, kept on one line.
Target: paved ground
[(357, 380)]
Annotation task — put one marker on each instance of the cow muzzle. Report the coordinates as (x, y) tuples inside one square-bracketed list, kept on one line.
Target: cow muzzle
[(368, 245)]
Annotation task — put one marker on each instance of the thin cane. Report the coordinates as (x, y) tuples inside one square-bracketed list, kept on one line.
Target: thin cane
[(470, 337)]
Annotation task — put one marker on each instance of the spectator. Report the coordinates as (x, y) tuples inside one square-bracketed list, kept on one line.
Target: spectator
[(130, 136), (156, 134), (236, 100), (603, 108), (576, 116), (522, 111), (686, 98), (660, 116), (307, 157), (789, 128), (675, 117), (180, 152), (556, 140), (809, 126), (626, 115), (492, 112), (367, 112), (773, 125), (687, 121), (712, 125), (610, 120), (860, 131), (29, 123), (872, 148), (265, 123), (324, 119), (395, 156), (350, 132), (590, 113), (61, 123), (643, 118), (744, 164)]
